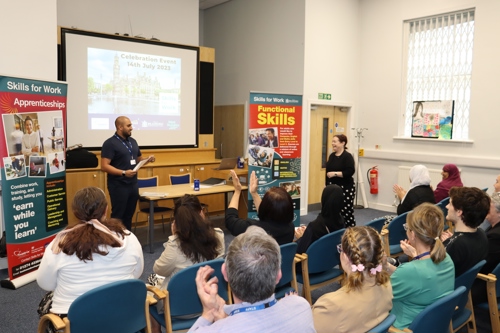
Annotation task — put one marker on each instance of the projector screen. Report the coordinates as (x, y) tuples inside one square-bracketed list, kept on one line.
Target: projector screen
[(155, 84)]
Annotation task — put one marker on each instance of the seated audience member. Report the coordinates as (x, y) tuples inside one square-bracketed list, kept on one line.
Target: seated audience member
[(430, 275), (493, 257), (328, 220), (420, 190), (252, 269), (496, 185), (451, 178), (275, 211), (193, 240), (92, 253), (468, 244), (366, 297)]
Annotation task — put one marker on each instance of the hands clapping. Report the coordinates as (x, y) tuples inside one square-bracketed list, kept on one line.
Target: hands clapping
[(213, 304)]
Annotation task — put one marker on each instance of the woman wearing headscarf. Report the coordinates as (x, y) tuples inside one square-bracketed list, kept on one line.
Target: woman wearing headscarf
[(451, 177), (420, 190), (328, 220)]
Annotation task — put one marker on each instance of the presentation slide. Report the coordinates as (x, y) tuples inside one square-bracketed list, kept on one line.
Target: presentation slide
[(154, 84)]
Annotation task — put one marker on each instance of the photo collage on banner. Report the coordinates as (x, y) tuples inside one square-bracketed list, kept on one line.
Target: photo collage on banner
[(274, 145), (33, 164)]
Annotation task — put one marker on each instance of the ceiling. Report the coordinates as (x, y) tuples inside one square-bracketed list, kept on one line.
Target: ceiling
[(205, 4)]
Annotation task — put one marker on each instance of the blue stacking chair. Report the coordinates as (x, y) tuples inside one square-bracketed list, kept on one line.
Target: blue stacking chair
[(288, 281), (144, 204), (181, 302), (118, 307), (493, 292), (377, 224), (383, 327), (180, 179), (393, 234), (320, 264), (436, 318), (465, 312), (186, 179), (442, 204)]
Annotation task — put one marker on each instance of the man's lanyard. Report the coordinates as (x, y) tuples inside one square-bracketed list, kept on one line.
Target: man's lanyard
[(254, 308), (128, 146)]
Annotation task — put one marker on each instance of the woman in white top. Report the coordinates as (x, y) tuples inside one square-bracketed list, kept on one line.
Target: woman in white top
[(193, 240), (90, 254)]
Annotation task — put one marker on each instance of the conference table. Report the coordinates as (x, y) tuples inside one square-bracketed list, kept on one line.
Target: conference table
[(165, 192)]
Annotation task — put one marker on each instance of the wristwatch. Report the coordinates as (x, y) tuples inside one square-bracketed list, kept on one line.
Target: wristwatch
[(123, 173)]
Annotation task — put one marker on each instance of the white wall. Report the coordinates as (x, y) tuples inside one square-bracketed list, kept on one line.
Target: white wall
[(29, 39), (28, 46), (259, 46), (353, 50), (380, 95), (171, 21), (331, 66)]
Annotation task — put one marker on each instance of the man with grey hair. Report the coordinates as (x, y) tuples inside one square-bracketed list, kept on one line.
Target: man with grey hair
[(252, 269), (493, 257)]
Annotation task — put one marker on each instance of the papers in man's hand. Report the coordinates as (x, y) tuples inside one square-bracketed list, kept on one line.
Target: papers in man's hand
[(154, 194), (141, 163)]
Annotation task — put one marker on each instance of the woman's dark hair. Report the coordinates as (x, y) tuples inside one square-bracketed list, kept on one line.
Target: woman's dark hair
[(90, 203), (276, 206), (342, 138), (196, 236)]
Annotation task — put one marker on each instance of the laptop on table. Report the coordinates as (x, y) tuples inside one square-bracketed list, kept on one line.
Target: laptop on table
[(227, 163)]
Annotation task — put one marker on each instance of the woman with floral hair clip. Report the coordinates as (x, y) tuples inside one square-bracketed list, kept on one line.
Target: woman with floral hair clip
[(366, 297)]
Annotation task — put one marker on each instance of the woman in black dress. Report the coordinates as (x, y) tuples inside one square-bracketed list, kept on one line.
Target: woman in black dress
[(339, 171)]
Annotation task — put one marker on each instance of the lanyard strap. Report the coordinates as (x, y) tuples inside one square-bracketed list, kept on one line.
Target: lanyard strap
[(421, 255), (254, 308), (127, 145)]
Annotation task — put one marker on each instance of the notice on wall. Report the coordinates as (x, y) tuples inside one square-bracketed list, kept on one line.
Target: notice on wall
[(33, 176), (274, 145)]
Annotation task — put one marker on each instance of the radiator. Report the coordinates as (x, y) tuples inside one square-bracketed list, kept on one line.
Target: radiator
[(404, 177)]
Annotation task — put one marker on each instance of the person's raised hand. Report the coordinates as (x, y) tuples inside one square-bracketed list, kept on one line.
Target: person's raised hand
[(254, 183), (236, 180)]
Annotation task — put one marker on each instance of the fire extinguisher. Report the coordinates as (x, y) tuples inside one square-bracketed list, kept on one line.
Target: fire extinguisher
[(372, 176)]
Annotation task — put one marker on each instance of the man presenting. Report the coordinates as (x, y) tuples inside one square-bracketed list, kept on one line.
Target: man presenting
[(119, 155), (252, 268)]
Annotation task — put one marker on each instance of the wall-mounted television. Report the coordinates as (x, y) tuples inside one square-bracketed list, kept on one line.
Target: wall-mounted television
[(153, 83)]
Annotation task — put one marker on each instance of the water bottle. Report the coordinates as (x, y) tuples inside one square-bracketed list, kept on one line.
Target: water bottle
[(241, 163)]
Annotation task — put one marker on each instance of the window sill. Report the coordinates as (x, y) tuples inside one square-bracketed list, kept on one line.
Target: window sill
[(403, 138)]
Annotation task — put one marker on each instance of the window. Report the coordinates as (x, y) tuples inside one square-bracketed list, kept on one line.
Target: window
[(438, 65)]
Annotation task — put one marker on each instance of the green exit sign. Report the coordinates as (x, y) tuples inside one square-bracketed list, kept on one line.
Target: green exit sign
[(325, 96)]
